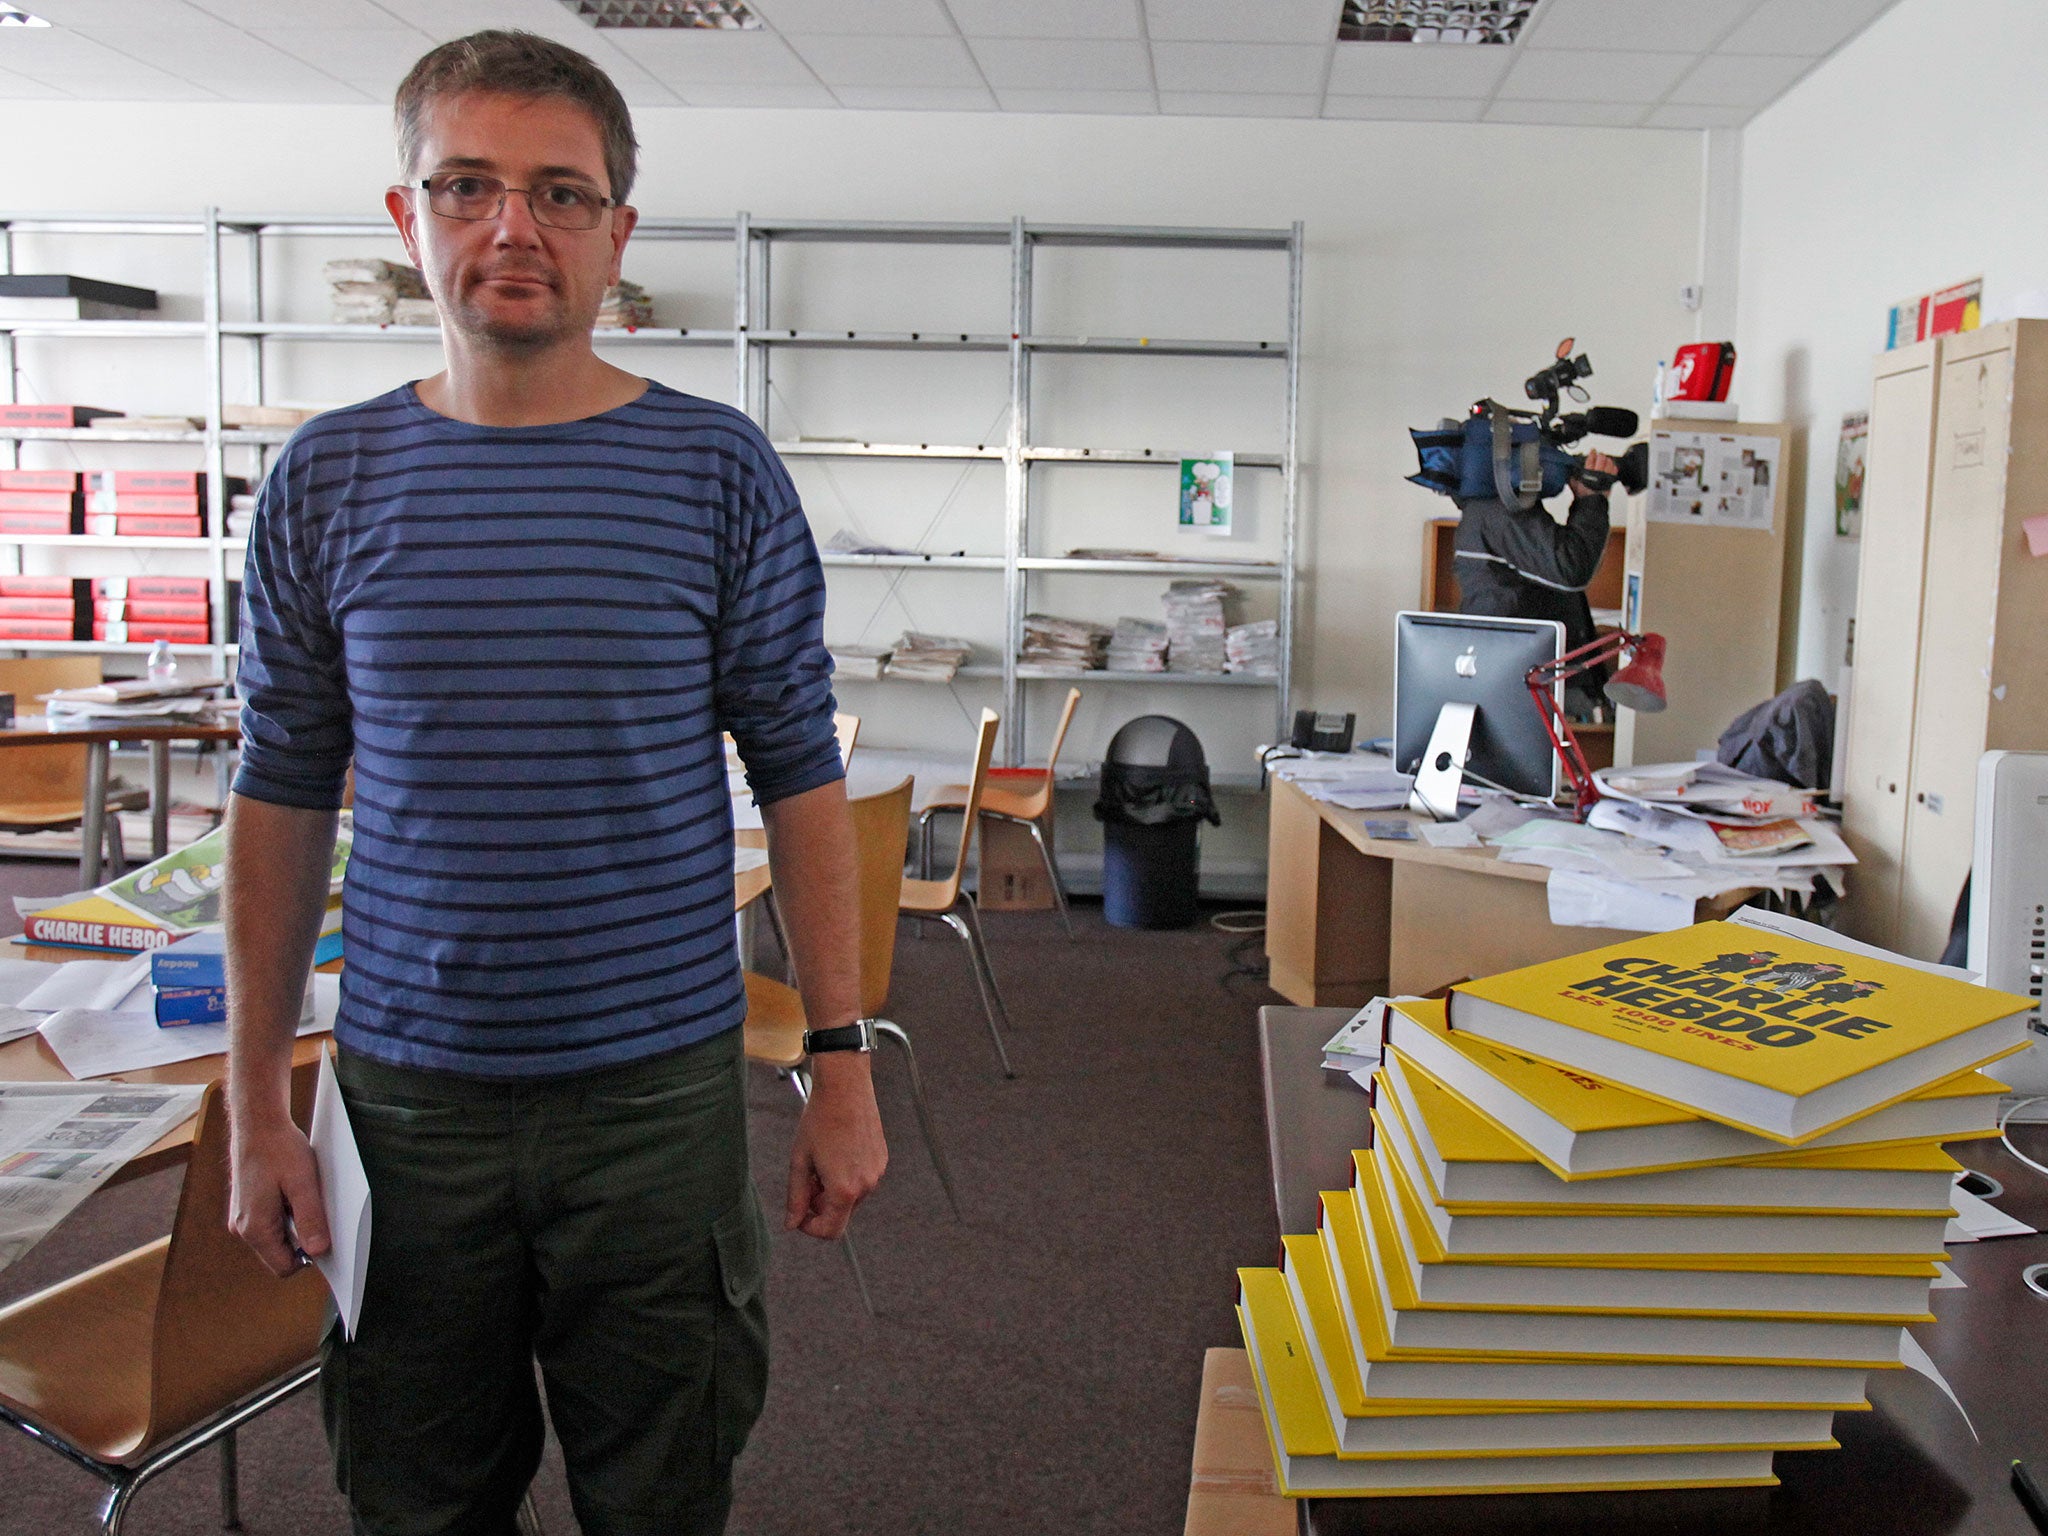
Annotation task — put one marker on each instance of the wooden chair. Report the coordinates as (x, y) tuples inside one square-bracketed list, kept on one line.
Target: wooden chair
[(129, 1368), (1024, 808), (45, 786), (774, 1031), (948, 901)]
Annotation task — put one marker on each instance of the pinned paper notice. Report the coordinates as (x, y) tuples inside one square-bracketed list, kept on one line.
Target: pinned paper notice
[(345, 1189)]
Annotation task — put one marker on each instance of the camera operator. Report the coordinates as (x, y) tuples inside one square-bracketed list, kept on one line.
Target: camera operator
[(1528, 565)]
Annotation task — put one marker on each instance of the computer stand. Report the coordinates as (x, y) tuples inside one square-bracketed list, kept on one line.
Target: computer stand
[(1441, 773)]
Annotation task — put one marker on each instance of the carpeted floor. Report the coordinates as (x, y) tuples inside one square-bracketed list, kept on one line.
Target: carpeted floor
[(1033, 1367)]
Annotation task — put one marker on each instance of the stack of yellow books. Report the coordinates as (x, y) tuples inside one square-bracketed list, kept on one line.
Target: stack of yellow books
[(1637, 1218)]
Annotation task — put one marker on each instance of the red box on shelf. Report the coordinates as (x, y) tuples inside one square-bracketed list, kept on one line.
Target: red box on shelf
[(37, 607), (65, 480), (35, 629), (38, 501), (154, 482), (23, 415), (137, 503), (24, 523), (129, 525), (37, 586), (152, 610), (119, 632), (188, 588)]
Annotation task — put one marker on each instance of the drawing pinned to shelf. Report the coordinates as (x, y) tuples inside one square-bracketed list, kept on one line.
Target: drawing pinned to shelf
[(1717, 479), (1205, 493), (1849, 460)]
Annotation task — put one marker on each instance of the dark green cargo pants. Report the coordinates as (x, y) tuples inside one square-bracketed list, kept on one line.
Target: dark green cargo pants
[(603, 1225)]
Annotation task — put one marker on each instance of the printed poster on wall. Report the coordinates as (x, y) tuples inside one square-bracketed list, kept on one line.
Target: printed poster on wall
[(1205, 493), (1849, 459), (1719, 480)]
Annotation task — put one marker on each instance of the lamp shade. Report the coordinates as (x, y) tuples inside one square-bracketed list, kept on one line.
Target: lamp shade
[(1640, 684)]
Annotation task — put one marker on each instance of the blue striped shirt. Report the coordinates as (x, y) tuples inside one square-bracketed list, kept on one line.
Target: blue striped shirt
[(529, 640)]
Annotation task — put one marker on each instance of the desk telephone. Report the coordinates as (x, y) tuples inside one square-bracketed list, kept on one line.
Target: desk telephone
[(1315, 731)]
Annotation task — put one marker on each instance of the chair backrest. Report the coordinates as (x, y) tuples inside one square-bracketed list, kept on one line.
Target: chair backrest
[(1042, 796), (881, 836), (984, 746), (224, 1324), (847, 729), (45, 774)]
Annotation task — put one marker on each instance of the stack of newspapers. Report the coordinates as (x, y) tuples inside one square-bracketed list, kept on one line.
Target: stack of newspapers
[(370, 291), (1638, 1218)]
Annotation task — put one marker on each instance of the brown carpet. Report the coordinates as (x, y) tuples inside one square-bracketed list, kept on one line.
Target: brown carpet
[(1033, 1368)]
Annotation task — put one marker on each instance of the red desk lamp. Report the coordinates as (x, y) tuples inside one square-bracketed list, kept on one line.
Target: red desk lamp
[(1638, 685)]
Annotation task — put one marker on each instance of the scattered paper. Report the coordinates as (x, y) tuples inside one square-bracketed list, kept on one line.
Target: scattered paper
[(98, 1043), (1448, 834), (1914, 1358), (1977, 1219), (94, 984), (1596, 901), (345, 1190), (60, 1141), (1356, 1045), (1813, 933), (1946, 1279), (744, 859)]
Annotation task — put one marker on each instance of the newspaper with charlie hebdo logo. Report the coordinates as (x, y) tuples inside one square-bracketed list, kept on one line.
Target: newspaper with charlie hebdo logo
[(61, 1141)]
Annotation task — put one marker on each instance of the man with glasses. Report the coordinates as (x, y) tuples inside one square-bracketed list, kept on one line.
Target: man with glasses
[(525, 597)]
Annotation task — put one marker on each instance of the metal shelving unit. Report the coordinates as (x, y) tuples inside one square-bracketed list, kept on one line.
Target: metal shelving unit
[(1020, 452), (753, 344)]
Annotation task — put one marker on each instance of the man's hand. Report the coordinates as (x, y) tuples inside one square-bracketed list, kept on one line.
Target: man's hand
[(840, 1151), (276, 1194), (1600, 464)]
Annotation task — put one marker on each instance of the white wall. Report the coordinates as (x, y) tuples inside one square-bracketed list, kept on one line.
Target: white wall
[(1444, 262), (1907, 162)]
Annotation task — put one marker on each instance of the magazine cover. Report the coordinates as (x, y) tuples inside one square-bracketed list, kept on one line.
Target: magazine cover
[(181, 890)]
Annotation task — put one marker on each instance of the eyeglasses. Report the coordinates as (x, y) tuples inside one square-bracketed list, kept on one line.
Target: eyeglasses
[(557, 204)]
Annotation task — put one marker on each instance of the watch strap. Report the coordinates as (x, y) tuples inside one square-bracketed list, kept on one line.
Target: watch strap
[(857, 1036)]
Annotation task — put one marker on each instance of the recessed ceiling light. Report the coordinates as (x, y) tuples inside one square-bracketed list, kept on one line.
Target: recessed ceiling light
[(10, 17), (1412, 21), (715, 15)]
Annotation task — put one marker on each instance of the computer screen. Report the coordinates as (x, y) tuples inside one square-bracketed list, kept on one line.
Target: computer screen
[(1444, 658)]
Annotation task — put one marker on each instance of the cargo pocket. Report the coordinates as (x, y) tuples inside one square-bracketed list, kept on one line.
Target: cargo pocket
[(741, 1379)]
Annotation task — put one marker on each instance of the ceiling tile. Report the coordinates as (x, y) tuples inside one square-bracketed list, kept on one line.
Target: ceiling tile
[(1670, 116), (1812, 27), (1217, 104), (1617, 77), (1047, 18), (1035, 64), (928, 61), (352, 53), (1239, 68), (15, 87), (47, 53), (862, 18), (682, 59), (1393, 69), (149, 85), (78, 16), (1649, 26), (274, 15), (1236, 21), (1576, 114), (1403, 110), (240, 85), (915, 98), (1118, 103), (1748, 80), (712, 93)]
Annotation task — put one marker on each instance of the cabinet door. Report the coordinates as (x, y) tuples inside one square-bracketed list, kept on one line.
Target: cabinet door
[(1958, 609), (1879, 745)]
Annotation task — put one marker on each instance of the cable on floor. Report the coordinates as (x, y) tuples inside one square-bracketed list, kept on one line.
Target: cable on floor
[(1247, 956)]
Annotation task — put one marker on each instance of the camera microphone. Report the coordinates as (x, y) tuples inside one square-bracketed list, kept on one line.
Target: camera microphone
[(1611, 421)]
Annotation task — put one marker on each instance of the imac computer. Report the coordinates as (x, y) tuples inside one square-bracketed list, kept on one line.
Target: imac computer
[(1462, 706)]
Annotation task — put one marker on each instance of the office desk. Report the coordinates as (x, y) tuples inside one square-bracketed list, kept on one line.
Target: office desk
[(98, 740), (1349, 916), (1908, 1467)]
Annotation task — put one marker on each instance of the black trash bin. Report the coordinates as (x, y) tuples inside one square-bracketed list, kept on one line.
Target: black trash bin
[(1155, 796)]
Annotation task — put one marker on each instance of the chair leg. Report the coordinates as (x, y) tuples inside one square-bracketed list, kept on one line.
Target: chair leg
[(984, 978), (230, 1484), (527, 1519), (1052, 873), (801, 1081), (117, 852), (894, 1031), (114, 1507)]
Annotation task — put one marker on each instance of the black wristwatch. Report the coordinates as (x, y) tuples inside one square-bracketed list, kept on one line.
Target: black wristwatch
[(857, 1036)]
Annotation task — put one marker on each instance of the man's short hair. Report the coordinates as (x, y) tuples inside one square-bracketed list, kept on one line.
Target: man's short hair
[(518, 64)]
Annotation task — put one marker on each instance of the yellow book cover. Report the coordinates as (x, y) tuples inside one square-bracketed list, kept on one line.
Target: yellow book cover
[(1582, 1128), (1477, 1166), (1769, 1033)]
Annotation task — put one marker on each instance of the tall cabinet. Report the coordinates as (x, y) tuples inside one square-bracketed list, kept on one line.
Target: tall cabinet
[(1951, 659)]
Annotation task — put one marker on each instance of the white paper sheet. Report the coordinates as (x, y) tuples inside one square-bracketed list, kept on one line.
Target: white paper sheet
[(1448, 834), (1813, 933), (345, 1190), (1976, 1219), (1946, 1279), (98, 1043), (1914, 1358), (744, 859), (1595, 901), (108, 986)]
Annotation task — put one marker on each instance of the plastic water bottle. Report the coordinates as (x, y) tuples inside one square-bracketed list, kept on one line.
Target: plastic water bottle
[(163, 666)]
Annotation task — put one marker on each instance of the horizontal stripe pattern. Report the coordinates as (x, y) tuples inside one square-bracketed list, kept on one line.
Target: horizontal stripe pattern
[(529, 641)]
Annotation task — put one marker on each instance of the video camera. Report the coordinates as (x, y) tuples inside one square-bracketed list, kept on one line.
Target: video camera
[(1519, 456)]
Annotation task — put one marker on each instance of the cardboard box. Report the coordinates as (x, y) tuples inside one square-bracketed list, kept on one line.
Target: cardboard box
[(1013, 877), (22, 415), (128, 525), (150, 610), (37, 607), (116, 632), (19, 523), (182, 588), (144, 504), (155, 482), (38, 586), (36, 629), (1233, 1491), (38, 501), (65, 480)]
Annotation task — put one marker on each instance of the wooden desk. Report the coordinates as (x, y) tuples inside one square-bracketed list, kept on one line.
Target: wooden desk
[(1909, 1467), (98, 740), (1349, 916)]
